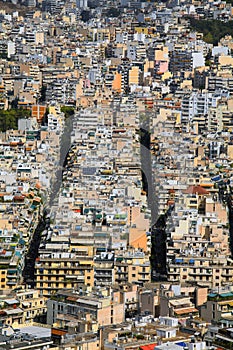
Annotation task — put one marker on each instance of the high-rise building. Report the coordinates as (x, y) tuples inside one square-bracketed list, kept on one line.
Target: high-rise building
[(82, 4)]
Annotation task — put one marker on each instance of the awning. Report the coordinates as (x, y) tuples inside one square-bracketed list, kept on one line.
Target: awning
[(212, 295), (224, 338), (37, 199), (14, 311), (72, 298), (180, 302), (25, 303), (226, 295), (185, 310), (148, 347), (179, 261), (226, 302), (11, 301), (181, 344)]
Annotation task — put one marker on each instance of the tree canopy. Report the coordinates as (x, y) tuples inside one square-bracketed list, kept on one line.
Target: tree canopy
[(67, 110), (9, 118), (113, 12), (213, 29)]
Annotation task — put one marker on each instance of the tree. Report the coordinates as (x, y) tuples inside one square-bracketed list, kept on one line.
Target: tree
[(67, 110), (208, 38), (213, 30), (9, 118), (113, 12), (43, 93), (85, 15)]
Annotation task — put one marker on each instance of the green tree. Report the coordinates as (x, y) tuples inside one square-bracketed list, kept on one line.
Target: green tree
[(9, 118), (213, 30), (208, 38), (67, 110), (113, 12)]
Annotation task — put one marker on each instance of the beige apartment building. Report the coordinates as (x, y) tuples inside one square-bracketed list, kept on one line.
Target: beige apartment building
[(68, 269), (199, 250), (132, 267), (21, 307), (98, 308)]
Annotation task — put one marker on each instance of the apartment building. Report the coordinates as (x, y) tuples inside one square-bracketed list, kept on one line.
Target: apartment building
[(218, 307), (75, 266), (195, 104), (132, 267), (100, 309), (104, 269), (22, 307), (182, 60)]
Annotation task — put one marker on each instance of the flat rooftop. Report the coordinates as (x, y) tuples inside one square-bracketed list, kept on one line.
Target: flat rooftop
[(36, 331)]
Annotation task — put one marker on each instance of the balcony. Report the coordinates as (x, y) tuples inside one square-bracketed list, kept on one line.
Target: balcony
[(12, 283), (173, 273), (206, 273), (227, 274), (144, 278), (12, 276), (121, 279), (102, 275), (120, 272)]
